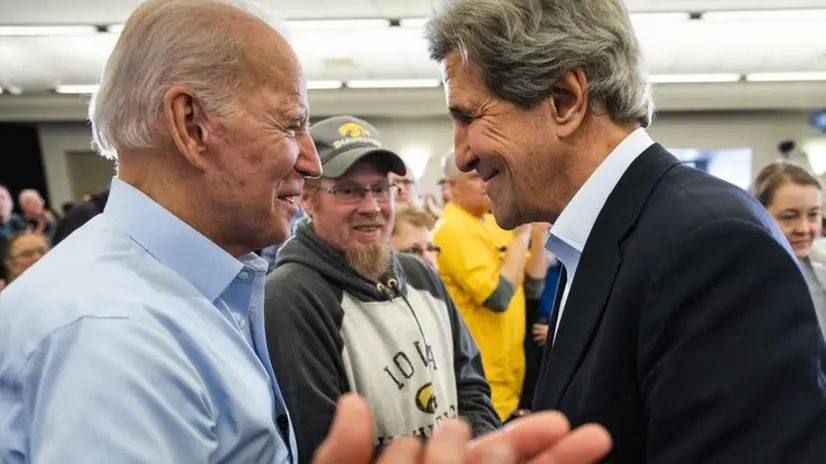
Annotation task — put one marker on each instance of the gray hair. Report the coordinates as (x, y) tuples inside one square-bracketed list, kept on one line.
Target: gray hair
[(523, 48), (29, 193), (164, 44)]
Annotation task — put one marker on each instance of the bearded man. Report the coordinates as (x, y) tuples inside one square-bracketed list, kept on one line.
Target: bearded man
[(346, 314)]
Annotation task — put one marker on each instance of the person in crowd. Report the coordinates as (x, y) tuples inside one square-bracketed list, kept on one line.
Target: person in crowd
[(22, 251), (66, 207), (431, 205), (444, 191), (10, 222), (346, 314), (140, 338), (33, 206), (684, 326), (484, 268), (80, 214), (537, 314), (412, 234), (406, 185), (794, 199)]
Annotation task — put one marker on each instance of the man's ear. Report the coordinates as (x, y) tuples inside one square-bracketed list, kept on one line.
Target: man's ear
[(187, 125), (569, 102)]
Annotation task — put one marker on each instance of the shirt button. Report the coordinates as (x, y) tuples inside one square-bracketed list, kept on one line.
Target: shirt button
[(242, 323), (244, 275)]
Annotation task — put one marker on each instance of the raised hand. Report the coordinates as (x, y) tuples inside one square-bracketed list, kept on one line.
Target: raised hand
[(541, 438)]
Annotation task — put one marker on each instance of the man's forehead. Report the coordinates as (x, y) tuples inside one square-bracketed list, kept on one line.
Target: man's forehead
[(364, 172)]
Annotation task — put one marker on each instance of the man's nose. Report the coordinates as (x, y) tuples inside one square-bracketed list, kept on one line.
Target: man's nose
[(369, 203), (308, 163)]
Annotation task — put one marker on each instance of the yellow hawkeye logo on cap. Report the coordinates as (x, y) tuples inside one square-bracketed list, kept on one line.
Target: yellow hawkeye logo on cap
[(353, 130)]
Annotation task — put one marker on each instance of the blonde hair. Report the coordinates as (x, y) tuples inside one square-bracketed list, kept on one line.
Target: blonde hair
[(414, 216), (774, 175)]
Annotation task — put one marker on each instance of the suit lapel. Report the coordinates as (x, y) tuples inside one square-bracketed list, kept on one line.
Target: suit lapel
[(596, 273), (549, 339)]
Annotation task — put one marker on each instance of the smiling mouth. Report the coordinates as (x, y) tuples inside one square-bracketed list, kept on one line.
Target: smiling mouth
[(368, 228)]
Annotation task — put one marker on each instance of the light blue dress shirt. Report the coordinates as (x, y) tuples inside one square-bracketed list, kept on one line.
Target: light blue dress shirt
[(138, 340), (572, 228)]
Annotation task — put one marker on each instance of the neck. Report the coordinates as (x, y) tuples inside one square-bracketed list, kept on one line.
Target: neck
[(475, 212), (587, 151), (177, 189)]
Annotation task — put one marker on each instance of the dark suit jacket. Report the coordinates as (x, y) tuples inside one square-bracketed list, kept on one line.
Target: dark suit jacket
[(689, 331)]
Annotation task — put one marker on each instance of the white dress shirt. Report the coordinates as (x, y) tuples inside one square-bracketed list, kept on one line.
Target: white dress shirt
[(572, 228)]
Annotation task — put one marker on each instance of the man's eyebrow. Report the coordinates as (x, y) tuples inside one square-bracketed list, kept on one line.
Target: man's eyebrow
[(460, 112)]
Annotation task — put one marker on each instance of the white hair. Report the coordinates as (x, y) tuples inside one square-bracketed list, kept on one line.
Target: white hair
[(167, 43), (29, 193), (524, 47)]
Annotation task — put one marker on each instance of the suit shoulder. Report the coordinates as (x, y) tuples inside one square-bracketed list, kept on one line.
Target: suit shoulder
[(689, 198)]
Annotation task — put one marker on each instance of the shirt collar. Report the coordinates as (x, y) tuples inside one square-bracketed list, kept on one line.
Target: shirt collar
[(173, 242), (577, 219)]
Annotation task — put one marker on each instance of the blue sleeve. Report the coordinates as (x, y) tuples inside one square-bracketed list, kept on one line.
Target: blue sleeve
[(113, 390)]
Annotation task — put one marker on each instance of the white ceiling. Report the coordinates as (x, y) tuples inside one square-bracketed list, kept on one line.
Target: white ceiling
[(38, 64)]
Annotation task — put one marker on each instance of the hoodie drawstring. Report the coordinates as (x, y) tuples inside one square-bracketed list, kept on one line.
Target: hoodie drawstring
[(394, 284)]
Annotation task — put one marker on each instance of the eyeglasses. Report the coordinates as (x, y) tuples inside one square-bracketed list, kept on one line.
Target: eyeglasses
[(353, 195), (418, 250)]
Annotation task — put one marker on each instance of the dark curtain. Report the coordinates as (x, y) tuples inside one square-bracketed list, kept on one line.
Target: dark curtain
[(21, 163)]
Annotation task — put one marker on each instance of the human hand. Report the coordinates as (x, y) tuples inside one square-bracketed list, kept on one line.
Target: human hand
[(523, 232), (540, 232), (540, 438), (540, 333)]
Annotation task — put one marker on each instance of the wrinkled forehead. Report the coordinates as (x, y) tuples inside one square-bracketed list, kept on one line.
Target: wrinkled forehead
[(273, 67)]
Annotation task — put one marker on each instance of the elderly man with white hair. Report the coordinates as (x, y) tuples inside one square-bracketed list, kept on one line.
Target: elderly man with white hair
[(33, 206), (140, 338)]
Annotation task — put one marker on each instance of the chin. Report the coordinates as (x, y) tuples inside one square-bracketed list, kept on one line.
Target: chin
[(507, 216)]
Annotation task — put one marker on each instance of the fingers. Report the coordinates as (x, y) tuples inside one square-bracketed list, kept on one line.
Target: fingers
[(525, 437), (449, 444), (404, 450), (585, 445), (350, 440)]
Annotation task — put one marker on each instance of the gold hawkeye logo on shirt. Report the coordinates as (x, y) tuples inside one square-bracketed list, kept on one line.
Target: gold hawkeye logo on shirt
[(426, 400)]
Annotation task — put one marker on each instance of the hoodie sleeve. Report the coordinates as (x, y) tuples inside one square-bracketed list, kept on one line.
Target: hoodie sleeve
[(303, 317)]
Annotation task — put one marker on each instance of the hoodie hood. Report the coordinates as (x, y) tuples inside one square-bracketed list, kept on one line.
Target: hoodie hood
[(308, 249)]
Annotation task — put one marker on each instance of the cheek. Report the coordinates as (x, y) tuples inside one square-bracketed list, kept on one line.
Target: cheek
[(788, 230), (280, 159)]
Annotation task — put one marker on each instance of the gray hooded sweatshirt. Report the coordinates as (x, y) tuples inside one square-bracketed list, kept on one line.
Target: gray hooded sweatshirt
[(398, 342)]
